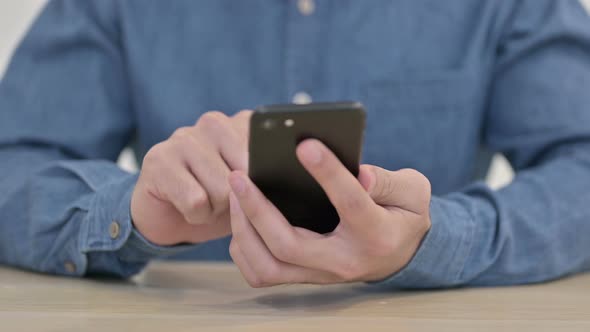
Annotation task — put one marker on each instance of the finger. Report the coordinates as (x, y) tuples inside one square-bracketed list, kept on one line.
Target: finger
[(266, 218), (286, 243), (183, 191), (241, 122), (268, 270), (238, 257), (407, 189), (264, 266), (216, 128), (212, 172), (344, 191)]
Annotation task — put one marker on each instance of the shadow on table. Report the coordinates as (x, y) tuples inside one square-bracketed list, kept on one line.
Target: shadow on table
[(225, 290), (322, 298)]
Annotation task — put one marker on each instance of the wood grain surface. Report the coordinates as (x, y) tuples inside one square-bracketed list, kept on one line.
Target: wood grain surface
[(213, 297)]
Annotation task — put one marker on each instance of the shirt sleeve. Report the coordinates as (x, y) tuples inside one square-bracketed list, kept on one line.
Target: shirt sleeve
[(536, 228), (65, 115)]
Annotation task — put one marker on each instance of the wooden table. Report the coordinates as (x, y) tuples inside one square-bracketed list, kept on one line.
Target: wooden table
[(213, 297)]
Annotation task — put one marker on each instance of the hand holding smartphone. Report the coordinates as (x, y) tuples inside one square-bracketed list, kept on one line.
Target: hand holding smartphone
[(275, 132)]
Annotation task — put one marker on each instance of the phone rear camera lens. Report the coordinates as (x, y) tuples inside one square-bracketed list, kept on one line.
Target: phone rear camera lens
[(268, 124)]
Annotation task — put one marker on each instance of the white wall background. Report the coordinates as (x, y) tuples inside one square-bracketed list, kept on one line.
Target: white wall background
[(16, 15)]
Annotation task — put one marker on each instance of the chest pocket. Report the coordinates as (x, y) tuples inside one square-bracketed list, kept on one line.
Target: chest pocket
[(427, 122)]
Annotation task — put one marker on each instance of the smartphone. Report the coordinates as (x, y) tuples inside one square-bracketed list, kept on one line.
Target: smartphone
[(275, 132)]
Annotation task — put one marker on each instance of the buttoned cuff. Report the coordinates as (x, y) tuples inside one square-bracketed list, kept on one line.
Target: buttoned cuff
[(111, 231), (106, 226), (441, 257), (99, 223), (108, 240), (108, 223), (139, 249)]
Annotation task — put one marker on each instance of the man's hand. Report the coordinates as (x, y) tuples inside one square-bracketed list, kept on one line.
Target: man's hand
[(182, 192), (383, 218)]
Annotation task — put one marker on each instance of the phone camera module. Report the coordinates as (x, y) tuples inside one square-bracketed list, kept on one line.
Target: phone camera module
[(268, 124)]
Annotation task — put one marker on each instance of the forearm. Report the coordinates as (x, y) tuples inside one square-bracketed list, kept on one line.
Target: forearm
[(58, 215), (533, 230), (541, 225)]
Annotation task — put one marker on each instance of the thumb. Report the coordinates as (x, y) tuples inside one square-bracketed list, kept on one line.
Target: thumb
[(407, 188)]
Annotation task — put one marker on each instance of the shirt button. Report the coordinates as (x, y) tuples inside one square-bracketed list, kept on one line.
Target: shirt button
[(70, 267), (114, 229), (301, 98), (306, 7)]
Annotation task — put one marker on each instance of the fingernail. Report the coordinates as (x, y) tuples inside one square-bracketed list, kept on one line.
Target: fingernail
[(238, 185), (310, 153)]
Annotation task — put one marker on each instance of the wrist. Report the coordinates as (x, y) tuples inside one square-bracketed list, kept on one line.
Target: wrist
[(441, 254)]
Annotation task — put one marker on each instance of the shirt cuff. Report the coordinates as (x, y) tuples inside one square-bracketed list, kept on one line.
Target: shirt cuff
[(139, 249), (441, 257), (108, 239)]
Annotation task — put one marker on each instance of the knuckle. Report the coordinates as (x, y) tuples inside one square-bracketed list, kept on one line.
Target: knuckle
[(182, 133), (194, 202), (155, 155), (409, 172), (420, 186), (425, 186), (418, 179), (180, 139), (220, 201), (244, 113), (196, 199), (212, 120)]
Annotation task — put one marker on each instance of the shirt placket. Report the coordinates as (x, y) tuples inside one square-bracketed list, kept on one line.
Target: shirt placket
[(302, 51)]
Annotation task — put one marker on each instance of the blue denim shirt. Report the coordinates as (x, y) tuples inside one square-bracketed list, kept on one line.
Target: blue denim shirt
[(441, 81)]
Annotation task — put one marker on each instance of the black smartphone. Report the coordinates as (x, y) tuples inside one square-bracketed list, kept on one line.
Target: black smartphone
[(275, 132)]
